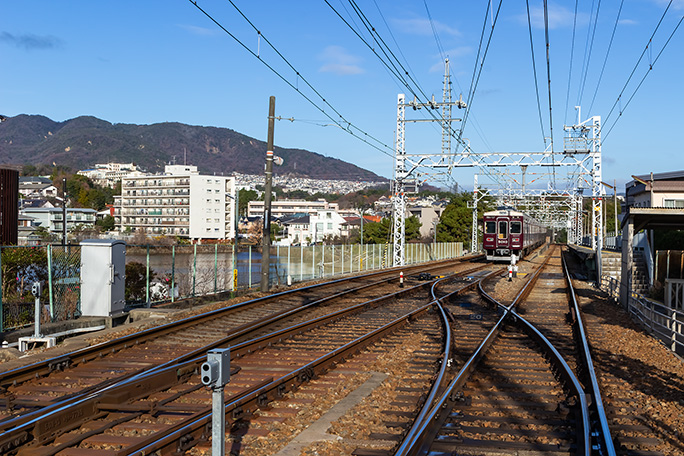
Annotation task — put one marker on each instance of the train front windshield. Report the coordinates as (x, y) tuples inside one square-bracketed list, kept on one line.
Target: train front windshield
[(503, 229), (516, 227), (490, 227)]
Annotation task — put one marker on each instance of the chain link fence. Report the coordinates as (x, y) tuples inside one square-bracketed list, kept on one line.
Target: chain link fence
[(57, 266), (156, 274)]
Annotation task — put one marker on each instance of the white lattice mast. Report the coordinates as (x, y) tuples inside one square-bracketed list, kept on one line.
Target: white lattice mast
[(597, 193), (446, 111), (399, 196), (474, 246), (584, 138)]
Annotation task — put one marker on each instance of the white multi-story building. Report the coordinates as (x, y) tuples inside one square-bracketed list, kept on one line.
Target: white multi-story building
[(109, 174), (180, 202), (314, 228), (52, 218), (282, 208)]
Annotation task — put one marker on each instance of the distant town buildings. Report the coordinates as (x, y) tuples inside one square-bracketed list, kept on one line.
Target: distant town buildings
[(285, 207), (110, 174), (314, 228), (180, 202), (312, 186), (36, 187), (52, 219)]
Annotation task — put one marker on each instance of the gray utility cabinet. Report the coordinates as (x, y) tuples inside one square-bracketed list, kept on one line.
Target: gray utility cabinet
[(103, 267)]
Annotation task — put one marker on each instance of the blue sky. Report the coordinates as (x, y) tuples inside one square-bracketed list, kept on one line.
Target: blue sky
[(155, 61)]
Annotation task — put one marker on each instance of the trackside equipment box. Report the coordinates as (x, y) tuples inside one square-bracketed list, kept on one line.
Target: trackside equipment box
[(103, 268)]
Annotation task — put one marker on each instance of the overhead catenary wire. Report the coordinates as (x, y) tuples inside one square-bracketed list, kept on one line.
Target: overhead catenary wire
[(476, 79), (341, 122), (394, 65), (650, 68), (589, 46), (434, 31), (534, 70), (605, 60), (548, 74), (636, 65), (572, 53)]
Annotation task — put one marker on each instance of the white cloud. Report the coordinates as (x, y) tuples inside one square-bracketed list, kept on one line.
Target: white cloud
[(338, 61), (452, 54), (676, 4), (628, 22), (202, 31), (421, 26), (559, 16)]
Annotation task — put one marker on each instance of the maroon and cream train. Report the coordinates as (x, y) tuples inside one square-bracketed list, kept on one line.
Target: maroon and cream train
[(508, 232)]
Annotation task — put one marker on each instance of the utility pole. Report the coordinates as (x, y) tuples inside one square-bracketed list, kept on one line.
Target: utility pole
[(615, 205), (266, 239), (236, 222), (64, 211)]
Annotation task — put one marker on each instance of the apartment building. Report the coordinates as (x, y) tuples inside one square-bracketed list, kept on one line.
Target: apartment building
[(282, 208), (180, 202), (109, 174), (52, 218)]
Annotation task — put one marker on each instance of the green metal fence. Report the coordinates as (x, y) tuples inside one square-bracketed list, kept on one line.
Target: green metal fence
[(57, 266), (170, 273)]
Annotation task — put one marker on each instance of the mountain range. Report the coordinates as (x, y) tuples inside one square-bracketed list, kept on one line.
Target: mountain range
[(82, 142)]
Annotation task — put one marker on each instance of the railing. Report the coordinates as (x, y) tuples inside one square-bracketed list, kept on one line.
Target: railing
[(56, 266), (169, 273), (640, 243), (664, 323)]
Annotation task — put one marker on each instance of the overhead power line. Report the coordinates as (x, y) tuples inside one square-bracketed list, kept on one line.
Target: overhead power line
[(589, 46), (434, 31), (534, 70), (636, 65), (477, 72), (572, 53), (344, 124), (650, 68), (605, 60)]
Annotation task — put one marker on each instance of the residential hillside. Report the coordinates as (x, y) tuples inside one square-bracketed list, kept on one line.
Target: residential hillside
[(81, 142)]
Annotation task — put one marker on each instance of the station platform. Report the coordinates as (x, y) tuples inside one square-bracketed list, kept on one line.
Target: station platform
[(611, 260)]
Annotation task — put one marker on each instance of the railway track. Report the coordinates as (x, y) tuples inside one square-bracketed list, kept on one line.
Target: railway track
[(517, 394), (458, 372), (44, 423)]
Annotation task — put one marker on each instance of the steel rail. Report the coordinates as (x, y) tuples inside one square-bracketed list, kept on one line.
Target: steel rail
[(422, 433), (233, 337), (585, 354), (441, 378), (44, 367), (32, 426), (181, 438)]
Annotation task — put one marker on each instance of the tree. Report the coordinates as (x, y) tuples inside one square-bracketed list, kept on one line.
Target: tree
[(244, 197), (20, 267), (136, 281), (456, 222), (107, 223)]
